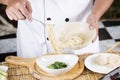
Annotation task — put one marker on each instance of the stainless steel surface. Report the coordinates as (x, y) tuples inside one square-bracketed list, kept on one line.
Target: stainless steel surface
[(113, 75)]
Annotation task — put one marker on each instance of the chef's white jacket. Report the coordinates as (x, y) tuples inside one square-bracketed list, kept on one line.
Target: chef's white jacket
[(32, 37)]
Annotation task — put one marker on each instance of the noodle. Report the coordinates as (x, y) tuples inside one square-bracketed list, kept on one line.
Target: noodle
[(65, 41)]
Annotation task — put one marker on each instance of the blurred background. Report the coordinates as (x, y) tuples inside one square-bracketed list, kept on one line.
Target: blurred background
[(109, 30)]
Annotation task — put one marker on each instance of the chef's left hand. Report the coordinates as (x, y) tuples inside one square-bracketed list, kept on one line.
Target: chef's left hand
[(92, 20)]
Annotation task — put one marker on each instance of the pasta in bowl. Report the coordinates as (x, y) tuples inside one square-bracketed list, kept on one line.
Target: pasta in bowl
[(71, 35)]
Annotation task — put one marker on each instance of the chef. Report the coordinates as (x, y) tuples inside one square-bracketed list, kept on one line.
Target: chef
[(32, 39)]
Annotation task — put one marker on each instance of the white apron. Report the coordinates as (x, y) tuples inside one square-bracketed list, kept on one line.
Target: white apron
[(31, 36)]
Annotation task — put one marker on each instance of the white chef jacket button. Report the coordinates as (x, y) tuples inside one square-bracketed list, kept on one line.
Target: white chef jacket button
[(47, 38), (48, 18), (66, 19)]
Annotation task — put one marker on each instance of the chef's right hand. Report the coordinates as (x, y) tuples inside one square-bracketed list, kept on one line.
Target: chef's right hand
[(19, 10)]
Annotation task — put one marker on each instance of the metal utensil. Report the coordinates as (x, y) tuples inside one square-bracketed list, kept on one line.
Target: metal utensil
[(28, 62), (38, 21)]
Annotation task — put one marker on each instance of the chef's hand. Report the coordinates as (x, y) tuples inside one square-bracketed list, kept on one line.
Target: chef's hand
[(92, 20), (19, 10)]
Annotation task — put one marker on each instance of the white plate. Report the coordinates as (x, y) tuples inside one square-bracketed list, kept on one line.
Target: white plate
[(44, 61), (91, 65)]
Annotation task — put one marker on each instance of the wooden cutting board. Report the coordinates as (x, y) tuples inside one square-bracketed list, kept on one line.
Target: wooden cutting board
[(33, 67)]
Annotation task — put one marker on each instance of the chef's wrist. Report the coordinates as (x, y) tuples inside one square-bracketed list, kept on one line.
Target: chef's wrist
[(96, 16)]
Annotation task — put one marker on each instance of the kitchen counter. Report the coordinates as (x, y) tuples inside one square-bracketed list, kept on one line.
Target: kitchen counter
[(22, 73)]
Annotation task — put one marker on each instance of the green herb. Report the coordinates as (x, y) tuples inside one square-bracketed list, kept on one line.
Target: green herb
[(3, 75), (57, 65)]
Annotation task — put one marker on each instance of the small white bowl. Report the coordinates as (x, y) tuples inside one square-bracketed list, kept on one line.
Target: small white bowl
[(4, 68), (46, 60)]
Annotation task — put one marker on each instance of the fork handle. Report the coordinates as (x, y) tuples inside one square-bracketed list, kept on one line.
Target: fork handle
[(38, 21)]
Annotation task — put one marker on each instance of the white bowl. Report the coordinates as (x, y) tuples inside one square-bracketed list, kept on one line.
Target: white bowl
[(46, 60), (4, 68), (76, 27)]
